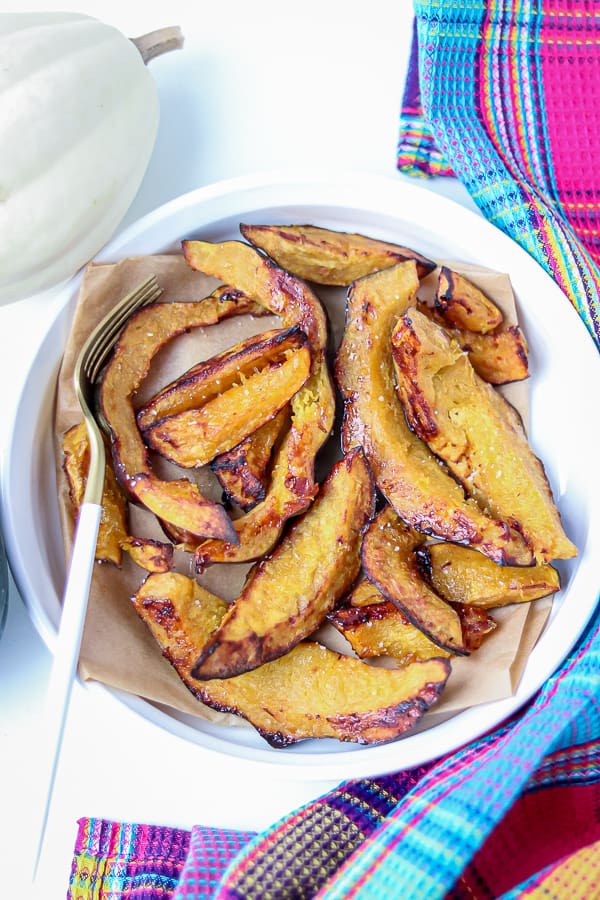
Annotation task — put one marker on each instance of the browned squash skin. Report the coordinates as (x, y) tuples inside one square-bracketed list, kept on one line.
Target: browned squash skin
[(405, 470), (293, 484), (178, 502), (153, 556), (311, 692), (389, 562), (472, 428), (457, 573), (329, 257), (289, 593), (243, 471), (194, 437), (464, 305), (475, 624)]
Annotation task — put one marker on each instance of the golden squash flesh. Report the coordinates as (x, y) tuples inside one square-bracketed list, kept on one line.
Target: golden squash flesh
[(194, 437), (212, 377), (478, 435), (457, 573), (381, 629), (113, 533), (289, 593), (329, 257), (406, 471), (311, 692), (499, 356), (113, 520)]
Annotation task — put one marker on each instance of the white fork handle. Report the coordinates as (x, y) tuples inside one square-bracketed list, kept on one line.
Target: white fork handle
[(66, 655)]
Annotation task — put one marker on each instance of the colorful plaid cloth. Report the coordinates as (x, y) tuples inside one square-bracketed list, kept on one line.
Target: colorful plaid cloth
[(503, 94)]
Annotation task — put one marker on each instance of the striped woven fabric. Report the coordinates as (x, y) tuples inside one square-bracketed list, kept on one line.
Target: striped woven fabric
[(476, 823), (130, 861), (506, 98), (418, 153)]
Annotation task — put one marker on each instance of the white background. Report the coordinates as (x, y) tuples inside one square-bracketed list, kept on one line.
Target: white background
[(258, 87)]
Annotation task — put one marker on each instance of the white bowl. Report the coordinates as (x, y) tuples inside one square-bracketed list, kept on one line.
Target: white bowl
[(564, 365)]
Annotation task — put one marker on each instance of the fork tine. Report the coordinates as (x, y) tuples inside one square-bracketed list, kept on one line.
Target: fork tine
[(111, 325), (107, 339)]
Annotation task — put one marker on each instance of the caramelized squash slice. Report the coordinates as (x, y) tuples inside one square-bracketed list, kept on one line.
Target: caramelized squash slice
[(178, 502), (113, 534), (151, 555), (457, 573), (423, 493), (113, 521), (499, 356), (212, 377), (376, 627), (293, 484), (195, 437), (288, 594), (389, 562), (259, 529), (243, 472), (464, 305), (311, 692), (329, 257), (477, 434), (381, 629)]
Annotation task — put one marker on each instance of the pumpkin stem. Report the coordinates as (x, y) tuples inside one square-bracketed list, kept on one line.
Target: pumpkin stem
[(156, 42)]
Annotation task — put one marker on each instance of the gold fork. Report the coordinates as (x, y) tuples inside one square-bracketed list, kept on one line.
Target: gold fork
[(90, 362)]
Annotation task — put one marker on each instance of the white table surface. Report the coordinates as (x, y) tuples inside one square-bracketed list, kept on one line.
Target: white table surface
[(258, 87)]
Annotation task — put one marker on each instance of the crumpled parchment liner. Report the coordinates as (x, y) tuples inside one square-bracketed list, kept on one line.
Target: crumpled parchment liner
[(117, 648)]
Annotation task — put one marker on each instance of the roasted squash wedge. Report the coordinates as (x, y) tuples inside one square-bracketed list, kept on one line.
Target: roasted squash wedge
[(389, 562), (178, 502), (312, 407), (243, 472), (329, 257), (381, 629), (214, 376), (259, 529), (457, 573), (478, 435), (500, 356), (113, 521), (311, 692), (423, 493), (194, 437), (151, 555), (113, 534), (288, 594), (375, 627), (464, 305)]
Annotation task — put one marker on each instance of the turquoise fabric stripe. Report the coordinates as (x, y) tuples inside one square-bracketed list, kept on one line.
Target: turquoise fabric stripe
[(464, 68), (426, 843)]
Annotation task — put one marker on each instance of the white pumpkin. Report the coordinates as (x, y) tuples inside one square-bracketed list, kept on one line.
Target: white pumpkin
[(78, 119)]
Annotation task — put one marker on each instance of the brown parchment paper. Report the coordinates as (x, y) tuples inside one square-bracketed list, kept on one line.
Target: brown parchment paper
[(117, 649)]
